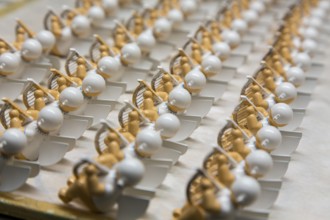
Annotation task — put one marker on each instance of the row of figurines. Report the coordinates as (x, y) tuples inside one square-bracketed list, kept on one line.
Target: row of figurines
[(202, 61), (38, 92), (238, 179), (147, 106), (77, 100), (91, 83), (29, 58)]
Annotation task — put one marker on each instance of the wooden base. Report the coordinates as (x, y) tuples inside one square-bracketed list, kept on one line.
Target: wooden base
[(26, 208)]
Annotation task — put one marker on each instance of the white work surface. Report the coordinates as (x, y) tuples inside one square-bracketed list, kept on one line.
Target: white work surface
[(305, 193)]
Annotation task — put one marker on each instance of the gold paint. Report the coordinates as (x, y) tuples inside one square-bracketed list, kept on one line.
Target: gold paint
[(252, 122), (15, 121), (238, 143), (83, 186), (149, 109)]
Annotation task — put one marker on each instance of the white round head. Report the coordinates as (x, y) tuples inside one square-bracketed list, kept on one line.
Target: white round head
[(309, 45), (302, 30), (231, 37), (188, 6), (96, 14), (258, 6), (305, 21), (108, 66), (325, 4), (93, 84), (310, 33), (319, 13), (146, 41), (239, 25), (315, 22), (285, 92), (148, 141), (222, 50), (211, 65), (281, 114), (296, 42), (296, 76), (130, 171), (71, 99), (110, 6), (250, 16), (176, 17), (46, 39), (130, 53), (9, 63), (31, 50), (179, 98), (259, 163), (81, 26), (168, 124), (303, 59), (13, 141), (50, 119), (195, 80), (269, 137), (245, 190), (162, 28)]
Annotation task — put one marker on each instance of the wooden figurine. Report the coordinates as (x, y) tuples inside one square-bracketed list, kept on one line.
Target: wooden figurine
[(109, 143), (185, 65), (58, 82), (215, 31), (62, 33), (206, 39), (258, 99), (238, 143), (3, 47), (166, 6), (153, 16), (133, 125), (245, 4), (196, 52), (235, 9), (227, 20), (211, 199), (225, 176), (119, 39), (81, 68), (285, 52), (149, 109), (56, 26), (278, 66), (39, 103), (104, 50), (15, 121), (269, 79), (138, 23), (18, 117), (112, 154), (208, 204), (98, 187), (252, 122), (20, 38), (165, 87), (62, 84)]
